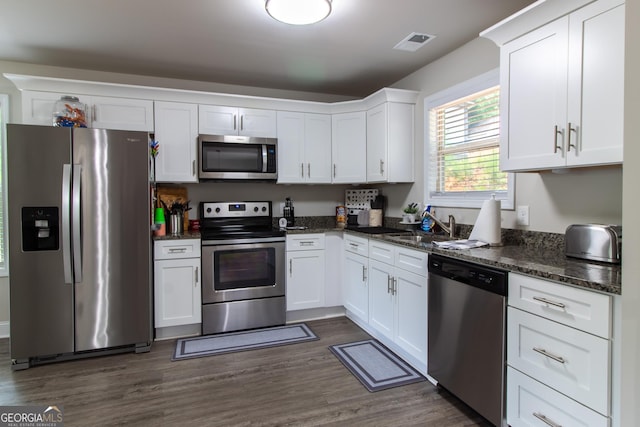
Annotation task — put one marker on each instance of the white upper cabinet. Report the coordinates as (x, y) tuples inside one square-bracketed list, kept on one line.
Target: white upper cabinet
[(177, 133), (304, 148), (349, 147), (221, 120), (102, 112), (390, 142), (596, 84), (122, 113), (562, 91)]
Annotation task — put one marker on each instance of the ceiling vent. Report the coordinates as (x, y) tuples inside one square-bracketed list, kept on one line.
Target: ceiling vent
[(414, 41)]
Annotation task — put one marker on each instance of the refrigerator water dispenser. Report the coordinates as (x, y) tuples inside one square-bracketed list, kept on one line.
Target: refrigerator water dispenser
[(40, 231)]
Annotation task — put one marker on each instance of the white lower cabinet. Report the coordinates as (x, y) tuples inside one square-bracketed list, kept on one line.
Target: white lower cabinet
[(531, 403), (385, 292), (558, 354), (177, 284), (356, 271), (305, 271), (398, 298)]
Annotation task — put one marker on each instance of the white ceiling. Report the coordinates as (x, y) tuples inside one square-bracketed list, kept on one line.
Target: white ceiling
[(236, 42)]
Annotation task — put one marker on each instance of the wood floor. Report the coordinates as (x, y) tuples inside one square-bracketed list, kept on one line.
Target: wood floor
[(296, 385)]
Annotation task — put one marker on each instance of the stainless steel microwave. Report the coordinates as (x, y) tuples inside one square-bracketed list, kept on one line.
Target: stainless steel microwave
[(237, 157)]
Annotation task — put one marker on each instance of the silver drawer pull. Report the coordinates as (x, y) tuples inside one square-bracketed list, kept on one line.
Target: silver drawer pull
[(545, 353), (548, 301), (177, 250), (309, 243), (545, 420)]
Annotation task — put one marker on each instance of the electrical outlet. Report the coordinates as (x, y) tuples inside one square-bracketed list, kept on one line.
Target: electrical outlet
[(522, 215)]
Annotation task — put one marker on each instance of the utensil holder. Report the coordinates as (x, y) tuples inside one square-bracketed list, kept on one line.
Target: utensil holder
[(176, 224)]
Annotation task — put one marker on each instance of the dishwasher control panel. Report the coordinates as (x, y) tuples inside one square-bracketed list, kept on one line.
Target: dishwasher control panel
[(487, 278)]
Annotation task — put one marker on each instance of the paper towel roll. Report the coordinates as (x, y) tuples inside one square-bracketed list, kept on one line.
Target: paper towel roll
[(487, 226)]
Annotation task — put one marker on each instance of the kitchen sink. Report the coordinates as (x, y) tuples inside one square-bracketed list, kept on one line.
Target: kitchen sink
[(418, 239)]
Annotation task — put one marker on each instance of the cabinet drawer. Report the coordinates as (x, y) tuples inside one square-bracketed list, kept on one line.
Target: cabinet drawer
[(305, 242), (380, 251), (571, 361), (174, 249), (410, 260), (530, 402), (355, 244), (582, 309)]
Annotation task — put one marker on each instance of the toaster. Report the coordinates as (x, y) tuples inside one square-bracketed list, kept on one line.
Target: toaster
[(595, 242)]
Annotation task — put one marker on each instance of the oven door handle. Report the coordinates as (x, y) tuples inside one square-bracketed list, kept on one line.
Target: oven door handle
[(243, 241)]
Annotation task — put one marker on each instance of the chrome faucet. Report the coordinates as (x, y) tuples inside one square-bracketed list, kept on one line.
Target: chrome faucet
[(450, 229)]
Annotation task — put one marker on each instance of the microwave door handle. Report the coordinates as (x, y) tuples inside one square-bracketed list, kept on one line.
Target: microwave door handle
[(76, 222), (264, 158), (66, 218)]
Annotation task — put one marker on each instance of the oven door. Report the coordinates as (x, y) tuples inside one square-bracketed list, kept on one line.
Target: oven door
[(243, 270)]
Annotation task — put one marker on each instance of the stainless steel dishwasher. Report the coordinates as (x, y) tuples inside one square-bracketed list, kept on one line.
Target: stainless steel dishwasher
[(466, 333)]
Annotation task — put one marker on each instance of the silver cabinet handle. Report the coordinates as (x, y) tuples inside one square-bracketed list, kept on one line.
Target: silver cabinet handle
[(235, 121), (545, 420), (389, 286), (195, 285), (549, 302), (381, 166), (193, 167), (545, 353), (394, 289), (569, 144), (302, 170), (309, 170), (334, 170), (241, 122), (364, 273), (177, 250), (290, 267), (556, 131), (307, 243)]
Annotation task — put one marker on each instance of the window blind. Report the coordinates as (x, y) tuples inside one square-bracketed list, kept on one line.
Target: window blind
[(464, 146)]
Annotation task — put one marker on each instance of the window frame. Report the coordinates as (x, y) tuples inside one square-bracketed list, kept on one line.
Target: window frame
[(465, 199), (4, 119)]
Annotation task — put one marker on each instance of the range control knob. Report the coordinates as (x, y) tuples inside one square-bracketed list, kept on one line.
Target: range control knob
[(255, 209), (217, 210), (264, 209), (208, 210)]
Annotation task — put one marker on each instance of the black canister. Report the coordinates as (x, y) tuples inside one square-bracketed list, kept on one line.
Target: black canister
[(288, 212)]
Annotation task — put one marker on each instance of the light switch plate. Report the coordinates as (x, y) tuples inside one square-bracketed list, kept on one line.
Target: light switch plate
[(522, 215)]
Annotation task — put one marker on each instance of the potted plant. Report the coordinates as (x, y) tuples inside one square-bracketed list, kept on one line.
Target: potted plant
[(410, 213)]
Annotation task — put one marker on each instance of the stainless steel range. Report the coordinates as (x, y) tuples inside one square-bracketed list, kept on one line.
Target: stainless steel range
[(243, 262)]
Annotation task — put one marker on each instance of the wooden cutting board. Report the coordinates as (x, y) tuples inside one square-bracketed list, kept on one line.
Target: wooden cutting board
[(170, 194)]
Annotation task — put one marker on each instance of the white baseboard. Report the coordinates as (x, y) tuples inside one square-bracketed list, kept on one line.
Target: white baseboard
[(4, 329)]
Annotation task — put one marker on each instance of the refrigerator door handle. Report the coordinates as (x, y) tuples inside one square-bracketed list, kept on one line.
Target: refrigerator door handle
[(76, 221), (66, 217)]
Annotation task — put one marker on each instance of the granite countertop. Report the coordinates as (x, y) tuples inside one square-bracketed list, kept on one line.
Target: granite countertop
[(534, 257), (185, 235), (545, 263)]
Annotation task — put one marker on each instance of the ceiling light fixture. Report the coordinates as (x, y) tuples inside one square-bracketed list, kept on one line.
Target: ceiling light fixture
[(298, 12)]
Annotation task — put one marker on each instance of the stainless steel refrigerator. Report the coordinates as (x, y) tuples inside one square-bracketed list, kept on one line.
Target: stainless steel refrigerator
[(79, 242)]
